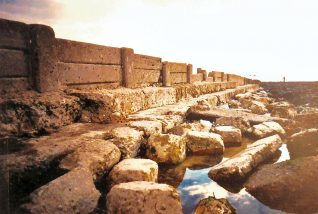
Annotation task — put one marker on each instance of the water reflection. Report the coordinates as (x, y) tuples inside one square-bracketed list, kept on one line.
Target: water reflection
[(197, 185), (193, 184)]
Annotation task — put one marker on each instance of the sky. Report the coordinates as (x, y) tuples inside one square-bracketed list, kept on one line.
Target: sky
[(259, 39)]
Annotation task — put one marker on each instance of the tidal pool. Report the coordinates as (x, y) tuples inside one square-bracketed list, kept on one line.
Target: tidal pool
[(193, 184)]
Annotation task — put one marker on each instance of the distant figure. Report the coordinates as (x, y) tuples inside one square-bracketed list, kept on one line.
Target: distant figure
[(284, 79)]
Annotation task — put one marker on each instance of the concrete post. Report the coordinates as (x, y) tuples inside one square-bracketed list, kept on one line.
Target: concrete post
[(44, 58), (166, 81), (189, 72), (127, 62), (205, 74)]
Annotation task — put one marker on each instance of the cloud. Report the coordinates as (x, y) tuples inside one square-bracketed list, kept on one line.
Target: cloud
[(30, 11)]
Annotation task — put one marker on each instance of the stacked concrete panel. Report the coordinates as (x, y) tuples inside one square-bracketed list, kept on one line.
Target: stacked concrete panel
[(14, 57), (81, 64), (147, 70), (175, 73)]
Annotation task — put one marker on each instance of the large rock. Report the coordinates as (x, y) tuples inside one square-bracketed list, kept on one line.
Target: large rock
[(267, 128), (143, 197), (212, 205), (31, 113), (231, 136), (38, 159), (134, 170), (304, 143), (166, 148), (241, 165), (204, 143), (282, 109), (128, 140), (290, 185), (99, 156), (73, 192), (146, 126), (238, 122)]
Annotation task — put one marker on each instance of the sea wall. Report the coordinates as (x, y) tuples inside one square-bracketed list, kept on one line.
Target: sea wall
[(32, 58)]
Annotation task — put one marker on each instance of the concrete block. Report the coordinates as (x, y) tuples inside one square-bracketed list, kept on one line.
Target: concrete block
[(13, 35)]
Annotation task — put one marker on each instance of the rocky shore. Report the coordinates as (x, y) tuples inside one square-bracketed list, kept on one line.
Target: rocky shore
[(84, 165)]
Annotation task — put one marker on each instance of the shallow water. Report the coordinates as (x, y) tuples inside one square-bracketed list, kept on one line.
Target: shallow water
[(193, 184)]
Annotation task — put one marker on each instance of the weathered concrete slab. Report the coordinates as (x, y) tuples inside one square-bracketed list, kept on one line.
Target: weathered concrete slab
[(13, 63), (71, 73), (80, 52), (13, 35), (14, 84), (241, 165), (290, 186), (147, 62), (146, 77), (143, 197), (73, 192)]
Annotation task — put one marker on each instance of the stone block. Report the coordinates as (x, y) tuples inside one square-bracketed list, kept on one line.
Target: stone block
[(143, 197), (134, 170), (166, 148), (204, 143)]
